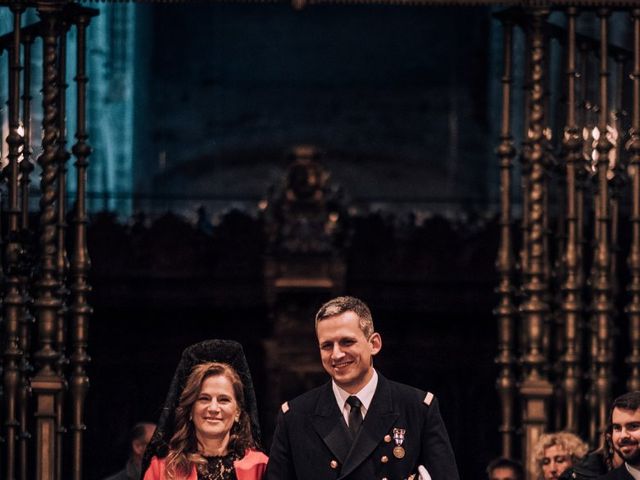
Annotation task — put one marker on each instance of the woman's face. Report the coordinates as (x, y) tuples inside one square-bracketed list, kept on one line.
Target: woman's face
[(215, 409), (555, 461)]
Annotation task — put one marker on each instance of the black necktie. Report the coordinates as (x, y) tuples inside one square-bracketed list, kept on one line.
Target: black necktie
[(355, 415)]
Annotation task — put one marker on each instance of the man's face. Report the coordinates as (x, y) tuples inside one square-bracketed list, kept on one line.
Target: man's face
[(625, 434), (555, 461), (345, 352), (503, 473)]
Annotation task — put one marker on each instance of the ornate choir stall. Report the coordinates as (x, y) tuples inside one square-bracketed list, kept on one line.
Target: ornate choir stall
[(569, 260)]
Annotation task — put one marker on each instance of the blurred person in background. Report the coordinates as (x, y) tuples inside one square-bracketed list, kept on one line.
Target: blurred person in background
[(557, 452), (503, 468), (139, 438)]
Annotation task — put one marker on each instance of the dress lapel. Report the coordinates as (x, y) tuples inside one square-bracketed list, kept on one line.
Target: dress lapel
[(329, 423), (379, 419)]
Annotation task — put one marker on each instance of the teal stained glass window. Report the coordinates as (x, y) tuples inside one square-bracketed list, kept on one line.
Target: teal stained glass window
[(110, 109)]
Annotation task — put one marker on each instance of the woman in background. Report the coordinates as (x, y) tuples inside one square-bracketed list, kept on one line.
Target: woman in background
[(557, 452)]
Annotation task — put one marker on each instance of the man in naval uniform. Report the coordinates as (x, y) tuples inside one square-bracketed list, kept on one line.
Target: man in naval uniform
[(359, 426)]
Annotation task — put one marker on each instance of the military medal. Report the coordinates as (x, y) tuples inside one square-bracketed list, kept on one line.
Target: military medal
[(398, 437), (398, 451)]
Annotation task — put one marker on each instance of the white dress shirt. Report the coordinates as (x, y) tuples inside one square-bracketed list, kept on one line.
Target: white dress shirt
[(365, 395), (635, 473)]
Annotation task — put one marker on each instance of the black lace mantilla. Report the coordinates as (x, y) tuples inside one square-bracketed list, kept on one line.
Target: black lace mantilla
[(225, 351), (218, 468)]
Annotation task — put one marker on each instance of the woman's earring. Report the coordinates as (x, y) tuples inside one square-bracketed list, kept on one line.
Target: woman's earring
[(191, 418)]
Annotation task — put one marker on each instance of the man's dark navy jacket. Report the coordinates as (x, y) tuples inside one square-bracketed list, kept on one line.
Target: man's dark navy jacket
[(620, 473), (312, 441)]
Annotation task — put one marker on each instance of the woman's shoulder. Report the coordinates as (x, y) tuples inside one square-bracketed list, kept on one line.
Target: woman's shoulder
[(156, 468), (252, 466), (252, 457)]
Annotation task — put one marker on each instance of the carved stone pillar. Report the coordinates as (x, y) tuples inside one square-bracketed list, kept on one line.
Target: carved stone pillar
[(304, 267)]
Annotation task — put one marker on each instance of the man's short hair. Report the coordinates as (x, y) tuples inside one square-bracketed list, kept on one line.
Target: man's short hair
[(340, 305), (628, 401), (503, 462)]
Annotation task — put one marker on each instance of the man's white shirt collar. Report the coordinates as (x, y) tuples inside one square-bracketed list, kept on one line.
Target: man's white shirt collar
[(365, 395), (633, 471)]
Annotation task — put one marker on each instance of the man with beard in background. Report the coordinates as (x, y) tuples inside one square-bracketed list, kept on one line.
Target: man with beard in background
[(625, 436)]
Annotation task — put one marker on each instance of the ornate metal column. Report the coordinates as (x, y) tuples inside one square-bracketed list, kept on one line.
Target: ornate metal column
[(535, 389), (617, 178), (13, 303), (571, 307), (26, 321), (582, 176), (80, 263), (585, 173), (506, 311), (553, 188), (550, 167), (525, 166), (47, 383), (602, 308), (525, 169), (26, 165), (62, 262), (633, 308)]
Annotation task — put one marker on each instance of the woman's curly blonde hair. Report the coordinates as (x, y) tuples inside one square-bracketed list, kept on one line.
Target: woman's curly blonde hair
[(183, 446), (571, 443)]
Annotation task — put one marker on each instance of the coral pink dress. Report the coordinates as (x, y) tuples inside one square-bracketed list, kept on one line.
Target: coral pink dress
[(250, 467)]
